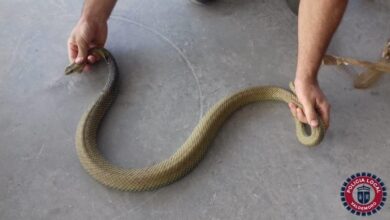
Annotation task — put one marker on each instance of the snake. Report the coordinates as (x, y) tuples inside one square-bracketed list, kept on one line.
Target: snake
[(189, 154)]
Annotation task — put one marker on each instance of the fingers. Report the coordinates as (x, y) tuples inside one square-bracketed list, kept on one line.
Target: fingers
[(75, 56), (297, 113), (82, 47), (308, 117), (91, 59), (314, 104), (301, 116), (293, 109), (72, 50), (324, 110), (310, 113), (85, 36)]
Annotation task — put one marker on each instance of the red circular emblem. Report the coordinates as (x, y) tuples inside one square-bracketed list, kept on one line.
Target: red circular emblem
[(363, 194)]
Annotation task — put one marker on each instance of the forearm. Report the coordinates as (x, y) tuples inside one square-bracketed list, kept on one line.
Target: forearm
[(97, 10), (317, 22)]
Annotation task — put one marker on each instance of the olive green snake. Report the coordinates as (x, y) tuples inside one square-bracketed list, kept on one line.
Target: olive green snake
[(192, 150)]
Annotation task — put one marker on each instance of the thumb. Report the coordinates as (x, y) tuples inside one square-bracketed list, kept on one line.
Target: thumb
[(310, 114), (82, 47)]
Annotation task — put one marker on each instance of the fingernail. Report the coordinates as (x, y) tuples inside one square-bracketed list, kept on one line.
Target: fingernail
[(79, 60), (313, 123)]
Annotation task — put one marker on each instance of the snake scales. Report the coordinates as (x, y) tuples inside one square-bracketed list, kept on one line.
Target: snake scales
[(188, 155)]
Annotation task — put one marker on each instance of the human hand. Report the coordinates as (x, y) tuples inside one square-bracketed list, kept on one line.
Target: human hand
[(314, 102), (87, 34)]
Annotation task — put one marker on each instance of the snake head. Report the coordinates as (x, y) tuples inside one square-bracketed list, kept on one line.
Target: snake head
[(74, 67)]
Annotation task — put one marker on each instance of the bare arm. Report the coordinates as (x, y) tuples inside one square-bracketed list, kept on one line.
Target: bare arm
[(99, 10), (317, 22), (90, 31)]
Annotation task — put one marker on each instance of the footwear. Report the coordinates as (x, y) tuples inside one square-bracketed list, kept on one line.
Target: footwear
[(201, 2)]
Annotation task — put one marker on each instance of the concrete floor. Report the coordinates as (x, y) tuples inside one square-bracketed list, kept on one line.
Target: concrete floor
[(176, 60)]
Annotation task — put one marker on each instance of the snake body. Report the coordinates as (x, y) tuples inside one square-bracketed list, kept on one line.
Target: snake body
[(188, 155)]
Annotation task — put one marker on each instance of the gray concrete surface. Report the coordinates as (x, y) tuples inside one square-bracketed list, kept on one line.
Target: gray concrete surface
[(176, 60)]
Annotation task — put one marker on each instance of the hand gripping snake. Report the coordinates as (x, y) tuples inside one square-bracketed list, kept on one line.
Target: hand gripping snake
[(192, 150)]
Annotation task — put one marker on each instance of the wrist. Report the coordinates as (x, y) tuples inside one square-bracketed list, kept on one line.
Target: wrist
[(90, 18), (97, 11), (305, 79), (307, 71)]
